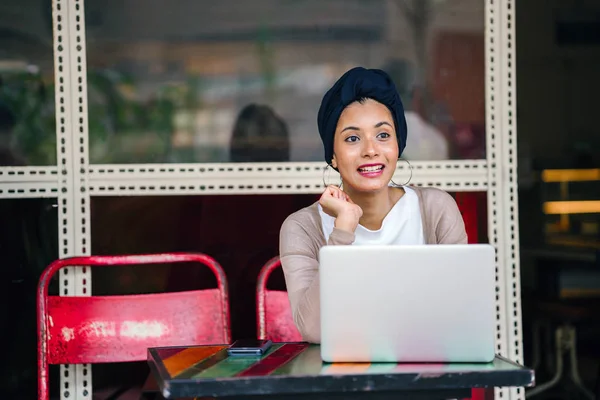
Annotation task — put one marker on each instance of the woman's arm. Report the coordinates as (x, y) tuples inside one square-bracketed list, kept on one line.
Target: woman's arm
[(299, 249), (450, 228)]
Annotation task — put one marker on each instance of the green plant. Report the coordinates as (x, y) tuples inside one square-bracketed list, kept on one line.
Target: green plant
[(31, 100), (127, 128)]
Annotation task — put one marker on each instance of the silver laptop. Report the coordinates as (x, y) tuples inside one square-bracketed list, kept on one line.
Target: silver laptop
[(430, 303)]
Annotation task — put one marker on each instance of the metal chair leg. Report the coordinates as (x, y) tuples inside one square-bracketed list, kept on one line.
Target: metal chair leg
[(572, 347), (536, 333), (566, 342), (597, 385), (559, 345)]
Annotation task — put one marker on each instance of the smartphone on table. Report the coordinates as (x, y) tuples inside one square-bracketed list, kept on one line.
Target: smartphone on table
[(249, 347)]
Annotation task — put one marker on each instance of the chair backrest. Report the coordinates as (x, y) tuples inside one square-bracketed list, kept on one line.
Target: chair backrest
[(275, 320), (99, 329)]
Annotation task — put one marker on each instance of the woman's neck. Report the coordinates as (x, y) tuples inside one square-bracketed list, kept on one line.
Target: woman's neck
[(375, 205)]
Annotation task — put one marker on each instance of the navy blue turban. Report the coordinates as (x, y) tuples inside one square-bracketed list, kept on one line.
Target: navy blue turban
[(359, 83)]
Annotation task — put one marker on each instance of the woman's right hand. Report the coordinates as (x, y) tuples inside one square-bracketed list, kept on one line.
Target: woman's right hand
[(339, 205)]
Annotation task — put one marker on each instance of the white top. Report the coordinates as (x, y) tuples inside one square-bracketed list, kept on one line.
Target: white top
[(401, 226)]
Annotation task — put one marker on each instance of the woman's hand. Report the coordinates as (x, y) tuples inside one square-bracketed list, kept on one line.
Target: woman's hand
[(340, 206)]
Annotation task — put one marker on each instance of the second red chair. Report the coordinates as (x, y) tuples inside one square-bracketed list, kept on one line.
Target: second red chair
[(104, 329), (275, 320)]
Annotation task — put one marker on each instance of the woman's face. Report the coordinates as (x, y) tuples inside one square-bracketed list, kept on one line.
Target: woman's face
[(365, 147)]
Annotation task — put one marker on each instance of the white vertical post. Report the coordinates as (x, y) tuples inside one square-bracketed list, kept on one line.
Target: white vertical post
[(73, 200), (496, 216), (509, 206), (66, 218), (79, 153)]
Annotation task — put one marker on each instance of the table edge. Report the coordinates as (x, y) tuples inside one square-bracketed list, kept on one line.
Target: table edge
[(163, 380), (284, 385)]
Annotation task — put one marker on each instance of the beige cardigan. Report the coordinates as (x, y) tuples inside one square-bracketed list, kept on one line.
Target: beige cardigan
[(301, 237)]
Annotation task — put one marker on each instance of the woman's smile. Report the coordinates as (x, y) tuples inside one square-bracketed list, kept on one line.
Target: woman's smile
[(371, 170)]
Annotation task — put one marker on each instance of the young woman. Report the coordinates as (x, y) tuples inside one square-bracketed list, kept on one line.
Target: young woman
[(362, 125)]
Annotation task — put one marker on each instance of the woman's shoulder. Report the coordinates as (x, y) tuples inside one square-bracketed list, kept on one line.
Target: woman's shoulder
[(301, 232), (306, 218), (434, 197), (443, 220)]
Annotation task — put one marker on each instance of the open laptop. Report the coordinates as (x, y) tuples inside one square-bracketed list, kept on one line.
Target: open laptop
[(429, 303)]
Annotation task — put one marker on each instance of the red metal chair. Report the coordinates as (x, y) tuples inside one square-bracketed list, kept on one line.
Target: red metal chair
[(274, 313), (105, 329)]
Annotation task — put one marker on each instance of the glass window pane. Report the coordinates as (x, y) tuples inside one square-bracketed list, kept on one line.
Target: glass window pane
[(28, 243), (27, 119), (171, 81)]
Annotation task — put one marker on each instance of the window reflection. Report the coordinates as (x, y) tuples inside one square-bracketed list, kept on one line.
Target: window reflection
[(259, 135), (27, 119), (168, 80)]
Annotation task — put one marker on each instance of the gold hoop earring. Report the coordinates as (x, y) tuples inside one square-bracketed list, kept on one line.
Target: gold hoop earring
[(329, 173), (410, 168)]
